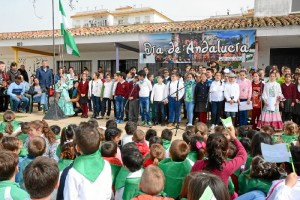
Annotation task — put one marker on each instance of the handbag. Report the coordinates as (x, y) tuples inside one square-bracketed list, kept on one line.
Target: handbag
[(51, 92)]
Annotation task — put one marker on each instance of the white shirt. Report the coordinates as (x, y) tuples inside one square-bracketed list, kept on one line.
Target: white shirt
[(231, 90), (216, 91), (145, 88), (171, 88), (115, 83), (77, 187), (157, 93), (108, 89), (95, 88), (126, 139), (279, 191)]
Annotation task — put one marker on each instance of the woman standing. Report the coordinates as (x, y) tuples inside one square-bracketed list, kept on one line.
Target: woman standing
[(257, 88), (189, 97), (201, 98), (270, 114), (83, 89)]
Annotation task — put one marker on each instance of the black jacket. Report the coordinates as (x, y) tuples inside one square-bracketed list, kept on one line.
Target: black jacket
[(32, 92)]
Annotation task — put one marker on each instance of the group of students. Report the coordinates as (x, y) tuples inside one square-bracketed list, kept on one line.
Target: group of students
[(87, 161)]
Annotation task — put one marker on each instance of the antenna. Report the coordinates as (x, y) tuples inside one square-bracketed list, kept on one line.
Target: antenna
[(228, 11)]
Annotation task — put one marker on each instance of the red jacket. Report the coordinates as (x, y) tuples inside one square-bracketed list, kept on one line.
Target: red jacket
[(135, 92), (122, 89), (83, 88), (289, 92), (150, 197), (113, 160), (148, 162), (5, 77), (143, 148)]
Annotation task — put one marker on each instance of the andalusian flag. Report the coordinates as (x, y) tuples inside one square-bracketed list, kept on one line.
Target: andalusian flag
[(69, 41)]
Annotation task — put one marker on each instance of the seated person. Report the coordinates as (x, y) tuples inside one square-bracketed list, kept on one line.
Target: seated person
[(16, 91), (39, 94)]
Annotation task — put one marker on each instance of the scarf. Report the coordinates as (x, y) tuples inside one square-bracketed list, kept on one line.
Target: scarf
[(189, 90)]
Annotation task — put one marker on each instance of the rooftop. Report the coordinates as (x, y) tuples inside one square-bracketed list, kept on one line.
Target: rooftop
[(182, 26)]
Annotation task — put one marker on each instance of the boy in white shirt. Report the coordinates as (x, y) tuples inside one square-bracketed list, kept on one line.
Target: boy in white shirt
[(106, 96), (157, 97), (94, 93)]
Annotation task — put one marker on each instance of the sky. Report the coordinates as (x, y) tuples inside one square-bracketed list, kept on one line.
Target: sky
[(21, 15)]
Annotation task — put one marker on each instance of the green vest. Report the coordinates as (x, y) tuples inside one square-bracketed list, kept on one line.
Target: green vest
[(15, 124), (15, 192), (131, 188), (23, 165), (193, 156), (289, 138), (58, 150), (115, 169), (174, 172), (166, 144), (121, 178), (23, 137), (247, 184), (63, 164)]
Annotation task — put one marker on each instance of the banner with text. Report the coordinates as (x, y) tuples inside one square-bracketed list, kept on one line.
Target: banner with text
[(236, 45)]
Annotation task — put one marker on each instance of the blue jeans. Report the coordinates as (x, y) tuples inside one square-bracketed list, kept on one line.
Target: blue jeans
[(253, 195), (216, 109), (189, 106), (243, 115), (42, 98), (159, 107), (174, 110), (120, 102), (145, 108), (96, 104), (103, 107), (16, 102)]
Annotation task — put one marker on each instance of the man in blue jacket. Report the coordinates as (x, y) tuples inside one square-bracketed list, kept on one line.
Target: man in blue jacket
[(16, 91), (44, 74)]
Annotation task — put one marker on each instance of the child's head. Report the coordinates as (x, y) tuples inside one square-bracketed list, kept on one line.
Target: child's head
[(121, 76), (232, 150), (246, 142), (291, 128), (187, 135), (262, 169), (267, 129), (41, 177), (157, 153), (132, 159), (113, 134), (201, 129), (109, 149), (225, 132), (198, 185), (141, 74), (155, 140), (138, 136), (198, 145), (152, 181), (36, 147), (216, 147), (218, 129), (257, 139), (12, 144), (130, 127), (179, 150), (160, 79), (167, 134), (87, 139), (68, 134), (190, 128), (150, 133), (186, 182), (25, 127), (111, 123), (8, 117), (8, 165), (55, 129), (38, 127), (94, 123), (68, 151)]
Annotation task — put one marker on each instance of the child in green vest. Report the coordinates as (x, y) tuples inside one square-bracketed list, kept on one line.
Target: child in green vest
[(127, 188), (197, 149), (152, 185), (67, 135), (291, 132), (25, 127), (9, 126), (201, 129), (67, 155), (8, 170), (176, 167), (41, 178), (185, 184), (166, 136), (157, 154), (56, 130)]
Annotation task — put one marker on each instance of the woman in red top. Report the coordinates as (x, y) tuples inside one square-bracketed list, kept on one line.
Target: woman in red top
[(83, 89), (216, 163), (257, 88)]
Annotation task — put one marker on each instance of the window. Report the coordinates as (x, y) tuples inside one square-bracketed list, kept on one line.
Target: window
[(147, 19), (120, 21), (137, 20), (77, 65), (295, 6)]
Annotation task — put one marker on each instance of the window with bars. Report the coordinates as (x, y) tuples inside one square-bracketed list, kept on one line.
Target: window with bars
[(110, 65), (78, 65), (295, 6)]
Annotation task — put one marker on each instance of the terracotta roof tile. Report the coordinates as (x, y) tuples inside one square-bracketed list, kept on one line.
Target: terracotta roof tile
[(187, 26)]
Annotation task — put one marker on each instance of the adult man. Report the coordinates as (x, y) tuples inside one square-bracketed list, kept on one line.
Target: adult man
[(13, 72), (24, 73), (100, 69), (71, 73), (44, 75), (4, 98), (16, 91)]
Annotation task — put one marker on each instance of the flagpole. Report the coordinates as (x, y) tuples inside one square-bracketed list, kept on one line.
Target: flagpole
[(53, 38)]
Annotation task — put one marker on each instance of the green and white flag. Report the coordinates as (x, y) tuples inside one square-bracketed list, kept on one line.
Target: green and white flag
[(227, 122), (207, 194), (69, 41)]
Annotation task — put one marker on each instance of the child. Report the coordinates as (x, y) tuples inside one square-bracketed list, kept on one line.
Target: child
[(157, 97), (145, 89), (36, 147), (67, 155), (217, 99), (111, 124), (67, 135), (24, 131), (157, 154), (106, 96), (166, 136), (201, 98), (257, 88), (185, 184), (187, 135), (189, 98), (94, 93), (197, 149), (41, 178), (8, 170), (289, 92), (109, 153), (9, 126), (201, 129), (216, 148), (231, 94), (245, 95), (176, 167), (56, 130), (199, 184), (296, 110), (84, 180), (139, 138), (130, 129), (114, 134), (127, 187), (291, 132), (149, 134), (83, 89), (152, 184), (121, 93), (134, 90)]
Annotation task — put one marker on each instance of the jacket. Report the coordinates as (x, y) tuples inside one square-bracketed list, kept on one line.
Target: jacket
[(83, 88), (12, 75), (32, 92), (45, 77), (201, 92)]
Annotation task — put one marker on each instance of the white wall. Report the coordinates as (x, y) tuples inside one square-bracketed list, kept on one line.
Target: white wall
[(272, 7), (158, 18)]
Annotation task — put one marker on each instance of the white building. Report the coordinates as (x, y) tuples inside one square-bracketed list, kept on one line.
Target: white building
[(120, 16)]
